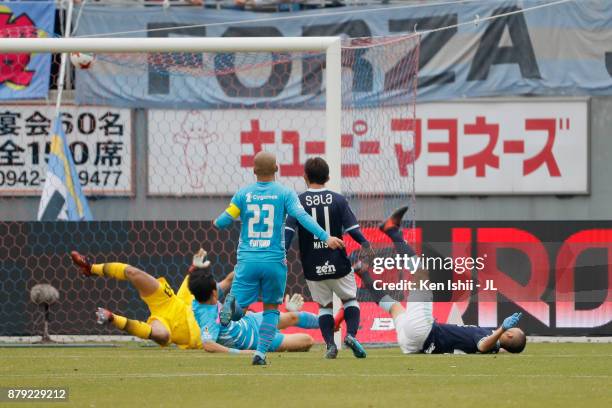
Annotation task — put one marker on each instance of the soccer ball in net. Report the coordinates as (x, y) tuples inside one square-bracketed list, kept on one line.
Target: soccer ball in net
[(82, 60)]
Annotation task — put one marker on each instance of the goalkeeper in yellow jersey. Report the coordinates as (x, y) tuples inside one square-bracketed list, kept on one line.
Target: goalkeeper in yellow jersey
[(172, 318)]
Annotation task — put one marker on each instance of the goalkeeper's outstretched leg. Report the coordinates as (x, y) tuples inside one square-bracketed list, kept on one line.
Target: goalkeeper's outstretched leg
[(154, 331), (153, 291)]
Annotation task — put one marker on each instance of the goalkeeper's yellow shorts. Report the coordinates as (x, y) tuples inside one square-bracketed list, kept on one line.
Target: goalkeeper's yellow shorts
[(175, 313)]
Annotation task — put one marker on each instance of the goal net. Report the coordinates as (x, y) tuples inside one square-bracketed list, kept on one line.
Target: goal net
[(162, 140)]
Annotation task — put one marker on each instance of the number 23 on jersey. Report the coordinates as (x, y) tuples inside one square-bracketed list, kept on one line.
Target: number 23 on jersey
[(261, 221)]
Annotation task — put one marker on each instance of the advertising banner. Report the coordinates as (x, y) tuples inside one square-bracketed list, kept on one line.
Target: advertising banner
[(100, 140), (527, 146), (560, 50), (557, 273)]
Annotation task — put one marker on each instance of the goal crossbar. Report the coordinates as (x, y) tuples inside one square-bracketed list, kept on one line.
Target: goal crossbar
[(184, 44)]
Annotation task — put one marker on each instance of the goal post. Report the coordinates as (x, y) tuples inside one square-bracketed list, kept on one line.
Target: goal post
[(164, 130)]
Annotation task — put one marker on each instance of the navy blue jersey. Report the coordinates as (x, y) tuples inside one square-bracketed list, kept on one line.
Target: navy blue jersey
[(446, 338), (332, 212)]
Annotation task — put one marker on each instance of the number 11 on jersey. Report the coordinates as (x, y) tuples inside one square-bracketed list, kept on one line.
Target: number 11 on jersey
[(325, 216)]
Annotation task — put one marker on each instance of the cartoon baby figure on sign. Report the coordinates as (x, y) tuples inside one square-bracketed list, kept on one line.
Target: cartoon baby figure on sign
[(195, 140)]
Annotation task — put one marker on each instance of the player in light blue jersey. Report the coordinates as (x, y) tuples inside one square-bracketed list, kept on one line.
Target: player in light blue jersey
[(241, 336), (262, 268)]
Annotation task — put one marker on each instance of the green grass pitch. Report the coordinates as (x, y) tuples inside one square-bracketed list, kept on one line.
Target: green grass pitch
[(546, 375)]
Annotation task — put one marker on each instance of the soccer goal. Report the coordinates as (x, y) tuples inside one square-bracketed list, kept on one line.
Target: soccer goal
[(164, 130)]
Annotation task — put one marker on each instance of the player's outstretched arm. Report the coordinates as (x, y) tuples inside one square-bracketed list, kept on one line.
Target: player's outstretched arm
[(199, 261), (226, 284), (290, 226), (489, 343), (213, 347)]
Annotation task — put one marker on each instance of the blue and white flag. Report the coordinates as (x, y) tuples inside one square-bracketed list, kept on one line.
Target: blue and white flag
[(62, 197)]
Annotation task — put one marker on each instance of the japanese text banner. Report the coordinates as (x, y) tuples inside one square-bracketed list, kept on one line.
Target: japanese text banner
[(525, 146), (100, 142)]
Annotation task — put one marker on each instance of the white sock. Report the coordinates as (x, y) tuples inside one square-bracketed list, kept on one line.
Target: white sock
[(387, 302)]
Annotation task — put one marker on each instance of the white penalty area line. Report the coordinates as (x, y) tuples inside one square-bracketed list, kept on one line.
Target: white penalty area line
[(285, 374)]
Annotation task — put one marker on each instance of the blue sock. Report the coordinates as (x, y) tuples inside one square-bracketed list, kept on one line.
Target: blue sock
[(267, 331), (351, 317), (307, 320), (326, 324)]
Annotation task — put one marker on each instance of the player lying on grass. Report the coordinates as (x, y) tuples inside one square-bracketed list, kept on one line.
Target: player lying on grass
[(417, 332), (243, 334), (172, 318)]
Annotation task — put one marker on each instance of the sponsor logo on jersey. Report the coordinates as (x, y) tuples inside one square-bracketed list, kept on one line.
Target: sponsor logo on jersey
[(326, 269), (256, 197)]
